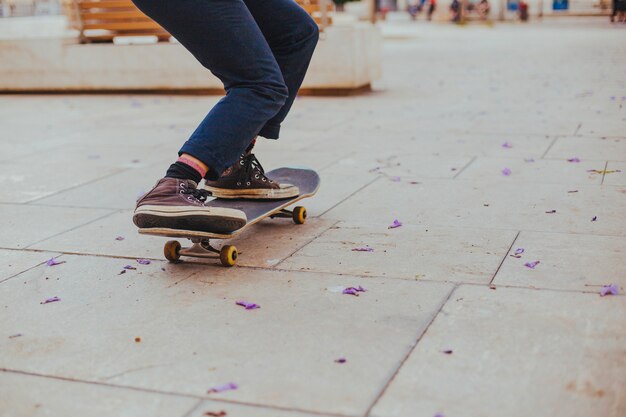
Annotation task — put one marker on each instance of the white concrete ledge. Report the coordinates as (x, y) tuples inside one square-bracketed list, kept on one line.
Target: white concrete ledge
[(347, 58)]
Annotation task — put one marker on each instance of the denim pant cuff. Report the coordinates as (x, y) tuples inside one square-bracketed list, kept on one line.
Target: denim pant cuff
[(270, 131), (216, 165)]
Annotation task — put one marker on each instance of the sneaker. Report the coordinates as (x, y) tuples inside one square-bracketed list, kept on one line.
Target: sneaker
[(246, 179), (177, 204)]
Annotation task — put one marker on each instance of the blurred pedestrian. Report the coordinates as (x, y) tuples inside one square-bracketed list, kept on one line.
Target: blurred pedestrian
[(431, 9), (619, 11), (482, 8), (523, 11), (455, 11)]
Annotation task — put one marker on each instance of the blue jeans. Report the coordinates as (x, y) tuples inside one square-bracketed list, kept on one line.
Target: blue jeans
[(259, 49)]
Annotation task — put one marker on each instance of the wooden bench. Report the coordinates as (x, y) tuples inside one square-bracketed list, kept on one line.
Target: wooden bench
[(104, 20), (315, 9)]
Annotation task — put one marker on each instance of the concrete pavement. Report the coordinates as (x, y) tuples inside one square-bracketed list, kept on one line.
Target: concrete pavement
[(494, 147)]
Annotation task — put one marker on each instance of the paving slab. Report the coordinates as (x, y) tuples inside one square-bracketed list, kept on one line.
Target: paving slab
[(118, 191), (14, 261), (591, 148), (66, 168), (24, 225), (567, 262), (496, 203), (35, 396), (516, 352), (533, 171), (264, 245), (419, 143), (407, 252), (193, 336)]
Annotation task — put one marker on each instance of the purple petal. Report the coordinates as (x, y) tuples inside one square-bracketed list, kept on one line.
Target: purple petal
[(507, 145), (506, 172), (129, 267), (519, 251), (353, 290), (247, 305), (529, 160), (350, 291), (594, 218), (610, 289), (574, 160), (341, 360), (53, 262), (531, 265), (143, 261), (363, 249), (226, 387), (439, 415), (50, 300), (396, 223), (120, 238), (395, 179)]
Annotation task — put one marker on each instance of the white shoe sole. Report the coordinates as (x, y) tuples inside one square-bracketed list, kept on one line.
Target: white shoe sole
[(286, 191)]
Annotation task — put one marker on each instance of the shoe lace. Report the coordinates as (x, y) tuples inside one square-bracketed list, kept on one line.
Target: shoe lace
[(249, 167), (198, 194)]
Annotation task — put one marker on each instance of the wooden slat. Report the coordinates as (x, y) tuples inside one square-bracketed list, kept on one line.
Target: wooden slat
[(312, 8), (318, 20), (121, 15), (123, 26), (107, 4), (108, 37)]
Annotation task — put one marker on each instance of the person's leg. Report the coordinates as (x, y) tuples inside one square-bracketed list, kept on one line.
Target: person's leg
[(223, 36), (292, 36)]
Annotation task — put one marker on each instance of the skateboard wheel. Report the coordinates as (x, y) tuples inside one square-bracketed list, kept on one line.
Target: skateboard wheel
[(171, 250), (299, 215), (228, 255)]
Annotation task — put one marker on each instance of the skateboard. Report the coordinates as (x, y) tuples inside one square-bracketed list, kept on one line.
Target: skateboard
[(256, 210)]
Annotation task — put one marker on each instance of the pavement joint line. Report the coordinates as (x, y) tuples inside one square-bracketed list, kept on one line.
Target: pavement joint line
[(122, 170), (173, 394), (73, 228), (410, 351), (550, 146), (606, 165), (195, 407), (465, 167), (307, 243), (363, 276), (349, 196), (506, 254), (26, 270), (580, 124)]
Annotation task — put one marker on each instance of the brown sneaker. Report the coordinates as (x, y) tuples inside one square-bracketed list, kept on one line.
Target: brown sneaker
[(177, 204), (246, 179)]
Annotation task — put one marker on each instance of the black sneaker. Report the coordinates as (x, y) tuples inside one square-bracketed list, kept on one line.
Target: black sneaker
[(246, 179)]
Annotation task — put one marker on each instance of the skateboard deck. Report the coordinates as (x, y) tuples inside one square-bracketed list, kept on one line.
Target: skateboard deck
[(307, 182)]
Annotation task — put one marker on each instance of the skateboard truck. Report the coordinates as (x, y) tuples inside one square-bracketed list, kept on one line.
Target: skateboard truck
[(298, 214), (201, 248)]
